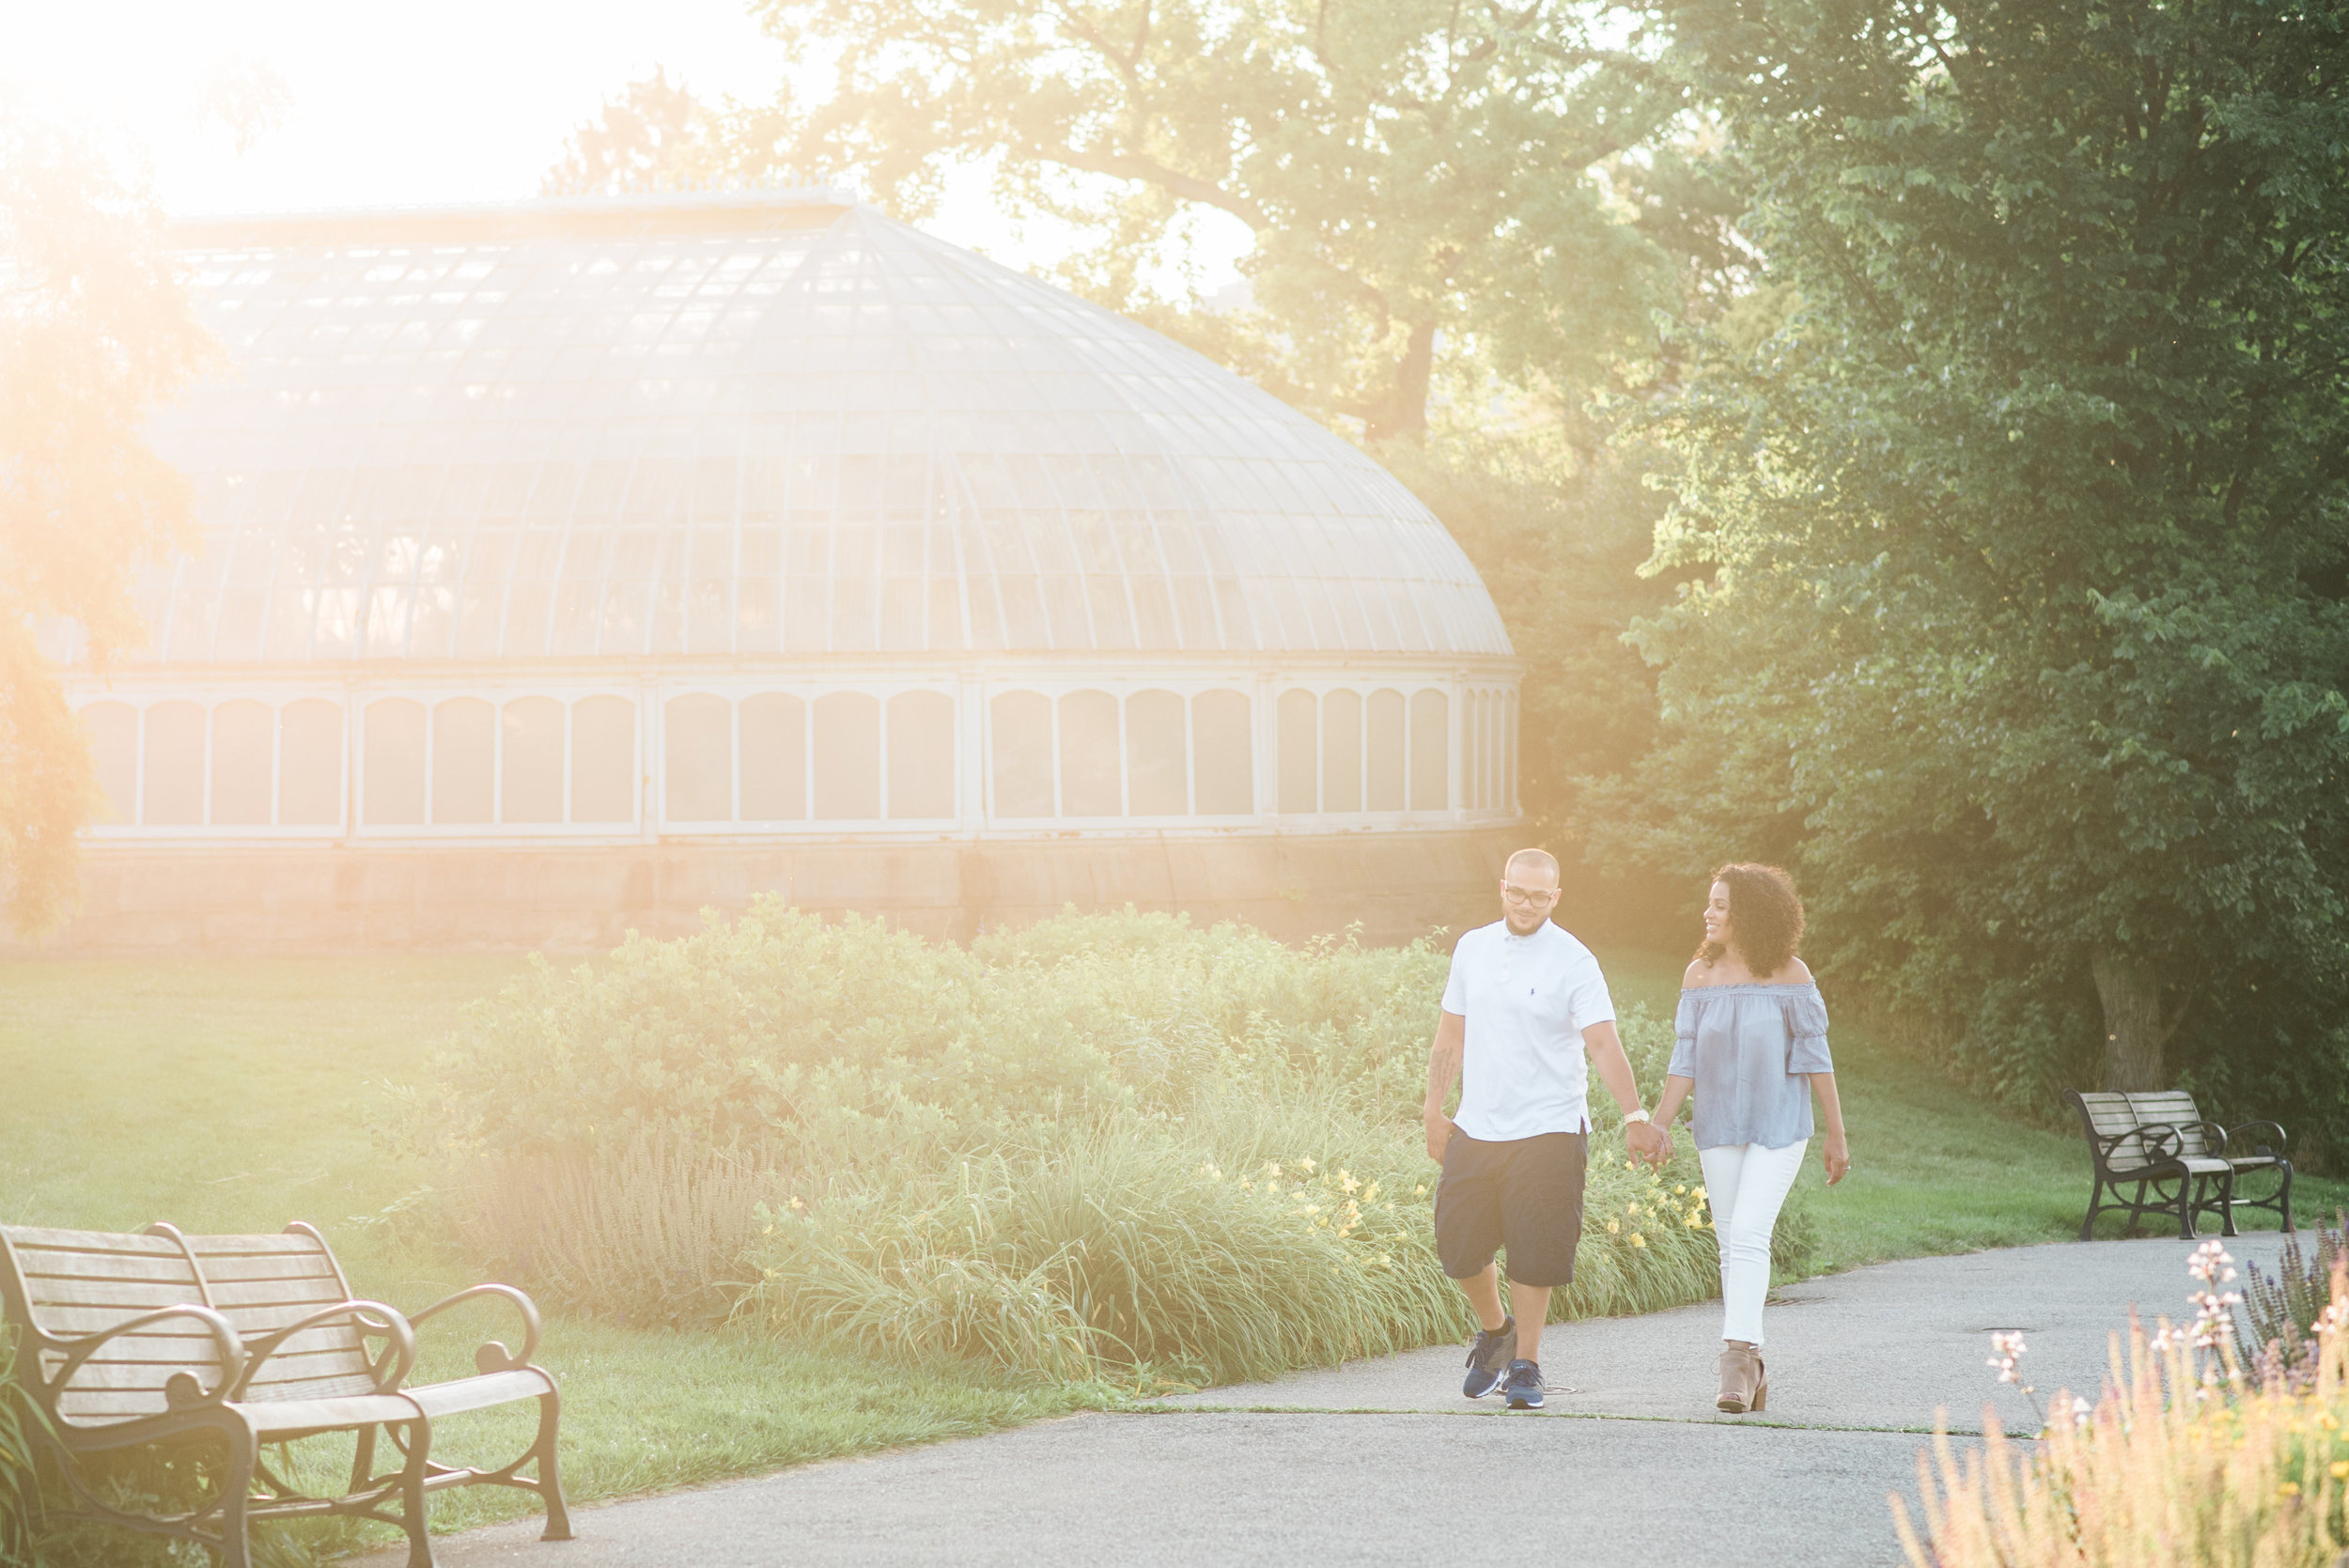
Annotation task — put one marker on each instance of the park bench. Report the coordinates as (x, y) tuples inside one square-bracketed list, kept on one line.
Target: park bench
[(2180, 1164), (245, 1340)]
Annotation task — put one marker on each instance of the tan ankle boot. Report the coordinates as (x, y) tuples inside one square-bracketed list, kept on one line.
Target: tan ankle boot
[(1745, 1384)]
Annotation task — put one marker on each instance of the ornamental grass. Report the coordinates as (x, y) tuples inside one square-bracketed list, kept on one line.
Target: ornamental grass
[(2191, 1457), (1105, 1145)]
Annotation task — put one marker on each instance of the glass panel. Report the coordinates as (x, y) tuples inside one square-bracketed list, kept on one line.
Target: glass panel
[(464, 760), (698, 744), (175, 763), (1341, 751), (1224, 763), (241, 739), (921, 754), (848, 758), (1019, 735), (603, 760), (774, 758), (310, 763), (532, 782), (1509, 763), (1156, 755), (1298, 761), (1383, 750), (394, 762), (1088, 756), (1430, 748), (113, 729)]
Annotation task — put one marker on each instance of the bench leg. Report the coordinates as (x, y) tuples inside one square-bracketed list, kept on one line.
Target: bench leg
[(2087, 1226), (236, 1491), (549, 1474), (412, 1496), (2284, 1198)]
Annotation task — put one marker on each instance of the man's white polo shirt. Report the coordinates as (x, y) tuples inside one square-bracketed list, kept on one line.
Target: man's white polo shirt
[(1527, 1001)]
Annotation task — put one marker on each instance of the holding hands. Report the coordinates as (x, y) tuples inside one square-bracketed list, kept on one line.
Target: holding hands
[(1649, 1143)]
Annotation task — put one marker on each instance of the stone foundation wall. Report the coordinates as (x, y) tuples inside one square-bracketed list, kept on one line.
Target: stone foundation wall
[(332, 899)]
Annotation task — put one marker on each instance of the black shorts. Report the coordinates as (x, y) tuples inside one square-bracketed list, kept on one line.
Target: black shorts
[(1524, 1194)]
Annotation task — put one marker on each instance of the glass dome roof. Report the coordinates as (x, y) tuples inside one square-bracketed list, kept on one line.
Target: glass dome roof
[(741, 425)]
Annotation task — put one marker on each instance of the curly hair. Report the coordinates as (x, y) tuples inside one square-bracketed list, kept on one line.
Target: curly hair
[(1765, 917)]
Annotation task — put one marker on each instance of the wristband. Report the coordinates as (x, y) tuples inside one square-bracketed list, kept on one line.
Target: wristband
[(1637, 1113)]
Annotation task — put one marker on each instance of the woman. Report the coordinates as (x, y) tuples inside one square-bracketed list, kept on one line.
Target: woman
[(1752, 1044)]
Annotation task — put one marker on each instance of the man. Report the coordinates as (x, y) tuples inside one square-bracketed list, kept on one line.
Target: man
[(1524, 1004)]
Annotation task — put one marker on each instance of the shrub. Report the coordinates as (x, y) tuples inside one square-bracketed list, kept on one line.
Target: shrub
[(2281, 1311), (1105, 1141), (653, 1229), (2188, 1462)]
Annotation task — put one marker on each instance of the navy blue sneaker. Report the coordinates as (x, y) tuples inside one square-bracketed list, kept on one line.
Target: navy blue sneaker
[(1524, 1388), (1489, 1358)]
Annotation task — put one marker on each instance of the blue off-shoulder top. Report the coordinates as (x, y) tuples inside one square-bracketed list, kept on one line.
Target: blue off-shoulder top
[(1748, 1048)]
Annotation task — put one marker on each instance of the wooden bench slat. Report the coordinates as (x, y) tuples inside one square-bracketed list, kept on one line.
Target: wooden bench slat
[(120, 1375), (210, 1247), (481, 1392), (37, 1236), (233, 1300), (244, 1270), (105, 1406), (128, 1297), (340, 1386), (73, 1322), (49, 1263)]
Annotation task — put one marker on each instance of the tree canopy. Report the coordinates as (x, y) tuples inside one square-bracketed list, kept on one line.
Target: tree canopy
[(1417, 176), (2025, 534), (94, 328)]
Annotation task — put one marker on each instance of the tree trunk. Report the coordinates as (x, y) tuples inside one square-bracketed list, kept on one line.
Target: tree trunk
[(1402, 414), (2134, 1036)]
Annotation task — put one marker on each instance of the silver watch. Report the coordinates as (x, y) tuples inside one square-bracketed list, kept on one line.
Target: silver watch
[(1637, 1114)]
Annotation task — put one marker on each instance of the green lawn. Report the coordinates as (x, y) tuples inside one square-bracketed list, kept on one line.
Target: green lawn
[(236, 1093)]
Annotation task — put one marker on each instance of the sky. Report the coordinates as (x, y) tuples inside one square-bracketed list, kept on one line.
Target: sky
[(423, 103)]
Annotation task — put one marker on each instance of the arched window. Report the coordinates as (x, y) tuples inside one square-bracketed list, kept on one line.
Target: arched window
[(1431, 749), (1299, 758), (1341, 751), (1088, 756), (1509, 755), (603, 760), (530, 771), (774, 758), (310, 763), (1472, 751), (464, 760), (114, 747), (1020, 745), (1223, 754), (848, 758), (175, 763), (699, 748), (921, 754), (393, 776), (243, 738), (1382, 751), (1156, 756)]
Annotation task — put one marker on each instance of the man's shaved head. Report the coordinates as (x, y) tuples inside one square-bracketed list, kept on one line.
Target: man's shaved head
[(1534, 860)]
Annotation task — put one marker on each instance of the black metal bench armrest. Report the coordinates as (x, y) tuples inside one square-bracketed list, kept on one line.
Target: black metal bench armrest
[(495, 1357), (2277, 1148), (2160, 1140), (2214, 1135), (181, 1390), (373, 1320)]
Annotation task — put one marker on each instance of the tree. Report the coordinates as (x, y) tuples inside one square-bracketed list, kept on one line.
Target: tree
[(653, 135), (2024, 535), (1419, 177), (94, 328)]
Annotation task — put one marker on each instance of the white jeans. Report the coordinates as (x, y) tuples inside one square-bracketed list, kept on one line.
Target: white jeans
[(1746, 1185)]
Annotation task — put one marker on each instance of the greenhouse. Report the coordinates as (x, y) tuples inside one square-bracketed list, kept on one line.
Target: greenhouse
[(573, 565)]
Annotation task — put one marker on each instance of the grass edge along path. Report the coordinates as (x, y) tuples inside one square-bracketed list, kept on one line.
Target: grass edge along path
[(235, 1095)]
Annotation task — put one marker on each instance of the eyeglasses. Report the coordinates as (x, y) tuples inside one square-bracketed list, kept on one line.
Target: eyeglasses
[(1531, 896)]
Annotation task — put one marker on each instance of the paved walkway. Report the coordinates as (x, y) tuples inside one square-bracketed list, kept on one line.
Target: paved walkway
[(1374, 1462)]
